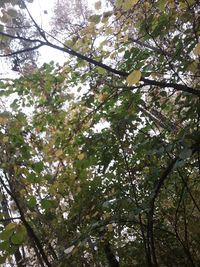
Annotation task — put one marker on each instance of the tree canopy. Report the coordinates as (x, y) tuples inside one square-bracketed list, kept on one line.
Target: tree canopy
[(100, 157)]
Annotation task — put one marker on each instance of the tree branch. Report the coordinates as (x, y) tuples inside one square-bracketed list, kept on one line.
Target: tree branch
[(176, 86), (168, 170), (70, 51), (22, 51), (30, 231), (110, 255)]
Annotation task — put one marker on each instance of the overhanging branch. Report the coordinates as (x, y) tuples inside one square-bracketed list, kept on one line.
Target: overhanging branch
[(70, 51), (22, 51)]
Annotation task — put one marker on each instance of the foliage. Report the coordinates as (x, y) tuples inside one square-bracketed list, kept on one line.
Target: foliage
[(100, 157), (14, 21)]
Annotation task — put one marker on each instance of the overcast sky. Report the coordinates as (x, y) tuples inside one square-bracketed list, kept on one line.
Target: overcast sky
[(42, 12), (38, 10)]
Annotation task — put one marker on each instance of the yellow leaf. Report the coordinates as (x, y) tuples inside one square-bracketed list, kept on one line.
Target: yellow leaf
[(74, 251), (5, 139), (11, 226), (134, 77), (102, 97), (3, 120), (119, 3), (78, 189), (110, 227), (81, 156), (128, 4), (58, 153), (106, 215), (197, 50), (193, 67), (101, 70), (97, 5), (108, 30), (95, 214)]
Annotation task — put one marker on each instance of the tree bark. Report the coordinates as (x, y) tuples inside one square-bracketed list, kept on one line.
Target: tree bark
[(110, 255)]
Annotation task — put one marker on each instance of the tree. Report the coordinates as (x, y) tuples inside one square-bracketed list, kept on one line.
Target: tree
[(70, 20), (105, 169), (15, 22)]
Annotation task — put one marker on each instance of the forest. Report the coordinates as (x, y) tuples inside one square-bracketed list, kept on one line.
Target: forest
[(100, 155)]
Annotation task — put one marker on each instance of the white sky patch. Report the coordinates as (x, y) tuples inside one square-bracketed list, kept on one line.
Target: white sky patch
[(42, 14), (100, 126)]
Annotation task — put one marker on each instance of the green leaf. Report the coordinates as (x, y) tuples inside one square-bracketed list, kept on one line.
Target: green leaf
[(95, 18), (185, 153), (48, 204), (33, 178), (19, 236), (6, 234), (38, 166), (32, 202), (4, 245), (3, 259)]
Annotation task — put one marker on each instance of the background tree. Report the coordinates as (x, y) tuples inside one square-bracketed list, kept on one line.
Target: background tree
[(15, 22)]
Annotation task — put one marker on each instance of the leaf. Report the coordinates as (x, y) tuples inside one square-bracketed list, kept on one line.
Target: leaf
[(11, 226), (6, 234), (69, 249), (101, 70), (33, 178), (134, 77), (3, 259), (5, 245), (81, 156), (9, 229), (3, 120), (102, 97), (197, 50), (59, 153), (19, 236), (12, 12), (38, 166), (127, 4), (95, 18), (5, 18), (97, 5), (32, 202), (185, 153), (110, 227), (74, 251), (48, 204), (5, 139)]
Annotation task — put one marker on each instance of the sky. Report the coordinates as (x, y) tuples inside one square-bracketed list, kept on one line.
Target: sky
[(42, 12), (38, 10)]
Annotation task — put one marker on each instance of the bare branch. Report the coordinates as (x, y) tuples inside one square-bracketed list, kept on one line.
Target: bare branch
[(22, 51)]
